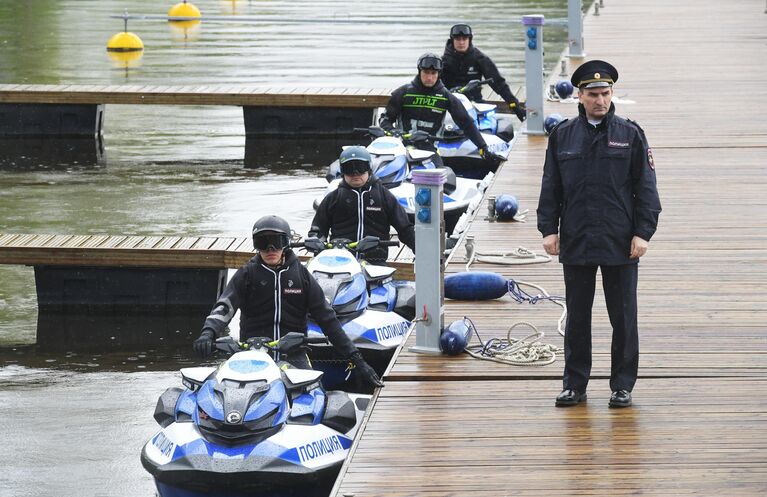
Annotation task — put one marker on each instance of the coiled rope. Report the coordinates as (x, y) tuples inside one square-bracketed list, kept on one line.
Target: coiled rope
[(526, 351), (516, 257)]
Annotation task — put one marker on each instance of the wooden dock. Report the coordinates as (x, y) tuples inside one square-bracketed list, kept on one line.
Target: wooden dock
[(190, 252), (242, 96), (458, 426), (274, 112)]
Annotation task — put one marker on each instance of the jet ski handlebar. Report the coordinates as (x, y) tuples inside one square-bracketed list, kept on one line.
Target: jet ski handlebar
[(317, 245), (287, 343), (407, 138), (474, 83)]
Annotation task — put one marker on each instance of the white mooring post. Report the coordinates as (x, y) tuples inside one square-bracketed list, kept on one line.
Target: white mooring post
[(429, 245), (575, 29), (534, 73)]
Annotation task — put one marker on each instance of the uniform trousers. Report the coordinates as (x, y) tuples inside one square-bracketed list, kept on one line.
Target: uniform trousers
[(620, 289)]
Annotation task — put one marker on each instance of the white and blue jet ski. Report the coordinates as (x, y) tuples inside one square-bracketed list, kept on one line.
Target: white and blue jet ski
[(251, 427), (460, 153), (375, 310), (392, 163)]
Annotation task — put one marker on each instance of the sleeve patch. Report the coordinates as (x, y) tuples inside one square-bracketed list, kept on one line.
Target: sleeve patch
[(650, 159)]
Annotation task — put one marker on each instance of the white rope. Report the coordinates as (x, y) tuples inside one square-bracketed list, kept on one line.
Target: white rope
[(527, 351), (516, 257)]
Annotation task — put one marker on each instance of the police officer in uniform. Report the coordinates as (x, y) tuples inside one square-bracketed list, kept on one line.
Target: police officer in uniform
[(598, 208), (464, 62), (274, 293), (421, 106), (361, 206)]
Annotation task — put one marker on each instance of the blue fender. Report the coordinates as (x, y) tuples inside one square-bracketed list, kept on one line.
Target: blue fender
[(475, 285), (506, 207), (454, 339)]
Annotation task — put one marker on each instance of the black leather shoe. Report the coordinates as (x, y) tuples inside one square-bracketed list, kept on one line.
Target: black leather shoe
[(621, 398), (570, 398)]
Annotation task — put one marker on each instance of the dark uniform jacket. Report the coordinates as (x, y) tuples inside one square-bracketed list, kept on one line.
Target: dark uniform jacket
[(354, 213), (598, 190), (417, 107), (460, 68), (275, 301)]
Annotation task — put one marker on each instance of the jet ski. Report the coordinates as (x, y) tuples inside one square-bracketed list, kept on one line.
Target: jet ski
[(460, 153), (252, 426), (392, 163), (375, 310)]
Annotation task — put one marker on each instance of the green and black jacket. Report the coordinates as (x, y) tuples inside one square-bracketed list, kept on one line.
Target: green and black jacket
[(414, 107)]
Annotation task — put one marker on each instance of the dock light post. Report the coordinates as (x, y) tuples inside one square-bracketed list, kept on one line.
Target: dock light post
[(429, 259), (575, 28), (534, 73)]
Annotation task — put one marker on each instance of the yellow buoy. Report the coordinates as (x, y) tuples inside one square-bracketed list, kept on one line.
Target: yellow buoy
[(126, 59), (185, 30), (125, 42), (184, 9)]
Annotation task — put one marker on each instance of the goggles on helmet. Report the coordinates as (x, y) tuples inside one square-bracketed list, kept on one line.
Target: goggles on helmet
[(462, 30), (271, 241), (352, 167), (430, 62)]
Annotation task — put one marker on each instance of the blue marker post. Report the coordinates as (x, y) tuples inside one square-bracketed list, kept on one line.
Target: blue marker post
[(429, 259)]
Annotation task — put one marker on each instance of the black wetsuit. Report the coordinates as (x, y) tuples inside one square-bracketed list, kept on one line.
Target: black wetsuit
[(416, 107), (354, 213), (460, 68), (274, 301)]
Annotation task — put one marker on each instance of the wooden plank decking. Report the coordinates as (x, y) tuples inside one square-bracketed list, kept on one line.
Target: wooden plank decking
[(254, 96), (126, 251), (143, 251), (190, 95), (459, 426)]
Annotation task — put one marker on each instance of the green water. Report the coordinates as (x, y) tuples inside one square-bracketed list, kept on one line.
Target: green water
[(175, 171)]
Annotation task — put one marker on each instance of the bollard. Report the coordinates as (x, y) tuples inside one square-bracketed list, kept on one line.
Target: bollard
[(601, 3), (534, 73), (563, 70), (429, 259), (491, 208), (575, 28), (596, 9)]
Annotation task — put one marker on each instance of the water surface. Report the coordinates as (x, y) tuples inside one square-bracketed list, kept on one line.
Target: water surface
[(73, 423)]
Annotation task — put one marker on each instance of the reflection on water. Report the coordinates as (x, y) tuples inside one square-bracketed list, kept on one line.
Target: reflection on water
[(73, 434), (292, 153), (40, 154), (68, 361), (73, 423)]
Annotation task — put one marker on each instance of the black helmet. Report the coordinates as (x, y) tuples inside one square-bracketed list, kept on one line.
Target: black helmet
[(430, 61), (354, 160), (461, 30), (271, 232)]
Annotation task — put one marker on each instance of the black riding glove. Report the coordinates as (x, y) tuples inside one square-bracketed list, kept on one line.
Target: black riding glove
[(490, 156), (314, 244), (519, 109), (364, 369), (204, 345)]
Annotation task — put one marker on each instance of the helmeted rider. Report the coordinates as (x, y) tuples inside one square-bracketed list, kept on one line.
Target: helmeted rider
[(464, 62), (361, 206), (421, 106), (275, 293)]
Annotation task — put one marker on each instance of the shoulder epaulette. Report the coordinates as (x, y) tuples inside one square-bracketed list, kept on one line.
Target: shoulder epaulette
[(560, 123), (635, 124)]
